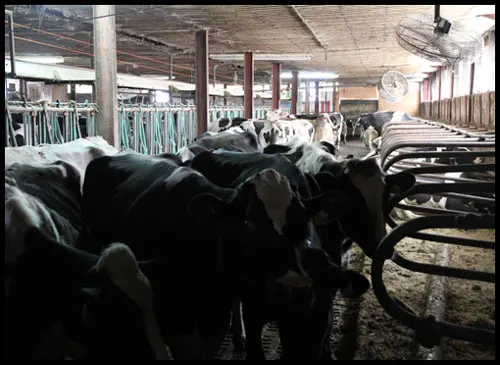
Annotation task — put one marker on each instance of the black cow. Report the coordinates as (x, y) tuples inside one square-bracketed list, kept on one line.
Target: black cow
[(43, 219), (378, 119), (212, 242), (65, 302), (229, 168), (365, 185), (46, 196)]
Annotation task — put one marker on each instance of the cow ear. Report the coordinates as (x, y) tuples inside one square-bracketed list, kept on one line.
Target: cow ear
[(327, 208), (328, 147), (353, 284), (206, 208), (399, 182)]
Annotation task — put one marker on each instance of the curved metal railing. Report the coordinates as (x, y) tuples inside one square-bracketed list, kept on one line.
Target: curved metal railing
[(400, 152)]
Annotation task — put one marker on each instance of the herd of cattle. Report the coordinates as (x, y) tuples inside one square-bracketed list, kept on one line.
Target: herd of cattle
[(118, 255)]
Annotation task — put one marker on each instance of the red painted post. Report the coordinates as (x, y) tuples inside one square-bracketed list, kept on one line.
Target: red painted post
[(248, 85), (295, 86), (276, 85), (452, 81), (202, 81), (439, 92), (472, 68)]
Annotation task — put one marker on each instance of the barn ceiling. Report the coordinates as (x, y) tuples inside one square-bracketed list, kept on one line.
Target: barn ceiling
[(355, 41)]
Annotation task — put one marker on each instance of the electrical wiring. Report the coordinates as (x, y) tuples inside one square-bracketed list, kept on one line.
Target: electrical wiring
[(118, 52)]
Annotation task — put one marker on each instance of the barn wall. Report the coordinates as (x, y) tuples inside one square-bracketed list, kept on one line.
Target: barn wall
[(410, 104), (463, 109)]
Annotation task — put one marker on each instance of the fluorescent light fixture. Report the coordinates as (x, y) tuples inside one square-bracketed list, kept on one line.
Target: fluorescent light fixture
[(162, 97), (311, 75), (159, 77), (336, 83), (261, 56), (42, 59), (83, 89)]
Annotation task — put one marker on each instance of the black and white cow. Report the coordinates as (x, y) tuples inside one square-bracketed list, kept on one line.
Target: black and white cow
[(362, 181), (325, 130), (370, 136), (224, 123), (439, 201), (378, 119), (234, 139), (77, 153), (219, 242), (43, 220), (269, 131), (65, 302), (227, 168)]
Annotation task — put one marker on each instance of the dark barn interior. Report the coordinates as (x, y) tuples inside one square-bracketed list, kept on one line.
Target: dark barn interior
[(248, 182)]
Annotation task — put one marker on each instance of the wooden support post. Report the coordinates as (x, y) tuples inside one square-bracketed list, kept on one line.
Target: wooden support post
[(316, 97), (202, 81), (276, 85), (248, 85), (295, 87), (105, 72)]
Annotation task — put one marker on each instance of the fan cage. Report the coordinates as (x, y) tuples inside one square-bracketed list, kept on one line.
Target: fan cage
[(415, 33), (386, 93)]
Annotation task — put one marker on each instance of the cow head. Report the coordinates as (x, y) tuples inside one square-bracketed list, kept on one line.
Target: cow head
[(367, 189), (119, 310), (271, 224)]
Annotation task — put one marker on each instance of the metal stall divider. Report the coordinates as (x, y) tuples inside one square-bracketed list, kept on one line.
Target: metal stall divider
[(405, 141)]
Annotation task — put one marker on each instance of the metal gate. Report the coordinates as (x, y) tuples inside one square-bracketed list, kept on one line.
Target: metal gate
[(399, 150)]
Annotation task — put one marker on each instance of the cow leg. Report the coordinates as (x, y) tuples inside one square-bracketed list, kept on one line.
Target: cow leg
[(306, 336), (237, 327), (361, 132), (345, 246), (253, 327)]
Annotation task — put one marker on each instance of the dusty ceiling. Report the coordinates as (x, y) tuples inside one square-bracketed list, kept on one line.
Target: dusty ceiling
[(355, 41)]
